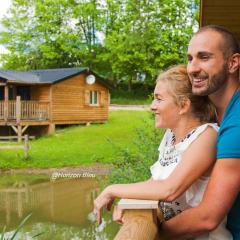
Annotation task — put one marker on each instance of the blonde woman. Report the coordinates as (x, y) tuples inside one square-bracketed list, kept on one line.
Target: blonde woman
[(186, 153)]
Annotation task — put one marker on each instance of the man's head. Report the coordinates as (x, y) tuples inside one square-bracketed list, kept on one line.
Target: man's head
[(213, 55)]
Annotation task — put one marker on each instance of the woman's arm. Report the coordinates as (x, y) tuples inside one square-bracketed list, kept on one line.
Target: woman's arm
[(196, 160)]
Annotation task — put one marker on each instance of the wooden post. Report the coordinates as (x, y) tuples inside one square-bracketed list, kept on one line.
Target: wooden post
[(19, 133), (141, 222), (6, 103), (51, 128), (18, 109), (26, 146)]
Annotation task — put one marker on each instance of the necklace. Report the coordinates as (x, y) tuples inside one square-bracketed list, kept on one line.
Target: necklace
[(173, 141)]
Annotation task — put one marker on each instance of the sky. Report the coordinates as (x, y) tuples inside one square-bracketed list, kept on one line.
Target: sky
[(5, 4)]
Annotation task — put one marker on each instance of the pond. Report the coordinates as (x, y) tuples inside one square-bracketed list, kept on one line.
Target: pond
[(61, 209)]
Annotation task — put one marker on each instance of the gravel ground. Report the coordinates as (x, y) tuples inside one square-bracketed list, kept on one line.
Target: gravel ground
[(129, 107)]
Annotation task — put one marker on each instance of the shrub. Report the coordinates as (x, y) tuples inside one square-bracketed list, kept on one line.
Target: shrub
[(132, 165)]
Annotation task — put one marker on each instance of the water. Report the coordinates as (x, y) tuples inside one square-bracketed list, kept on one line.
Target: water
[(61, 209)]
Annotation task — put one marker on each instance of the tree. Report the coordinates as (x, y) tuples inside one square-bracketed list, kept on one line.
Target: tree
[(150, 36), (138, 36)]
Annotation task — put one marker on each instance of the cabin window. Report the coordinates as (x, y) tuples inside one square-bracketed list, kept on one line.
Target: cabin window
[(94, 98)]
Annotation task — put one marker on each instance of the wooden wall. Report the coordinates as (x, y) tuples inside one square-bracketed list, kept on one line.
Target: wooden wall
[(69, 102), (221, 12), (40, 92)]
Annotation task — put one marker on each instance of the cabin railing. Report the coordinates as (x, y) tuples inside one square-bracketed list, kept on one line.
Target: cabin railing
[(18, 110)]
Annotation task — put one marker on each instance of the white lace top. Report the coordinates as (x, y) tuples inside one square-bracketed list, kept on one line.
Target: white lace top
[(169, 157)]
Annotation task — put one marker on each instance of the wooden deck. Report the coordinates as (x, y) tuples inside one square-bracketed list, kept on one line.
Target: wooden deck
[(12, 112), (19, 115)]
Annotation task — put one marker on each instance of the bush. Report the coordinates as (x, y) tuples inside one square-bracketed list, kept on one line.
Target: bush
[(133, 165)]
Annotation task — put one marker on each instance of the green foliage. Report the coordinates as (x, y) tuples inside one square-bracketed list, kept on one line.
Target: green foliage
[(135, 97), (132, 164), (137, 36), (150, 35)]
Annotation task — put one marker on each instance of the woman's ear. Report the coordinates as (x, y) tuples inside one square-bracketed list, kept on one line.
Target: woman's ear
[(184, 106)]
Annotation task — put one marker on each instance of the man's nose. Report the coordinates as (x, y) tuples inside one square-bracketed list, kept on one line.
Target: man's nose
[(193, 67)]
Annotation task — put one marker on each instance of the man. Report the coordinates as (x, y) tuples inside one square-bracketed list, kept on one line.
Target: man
[(213, 68)]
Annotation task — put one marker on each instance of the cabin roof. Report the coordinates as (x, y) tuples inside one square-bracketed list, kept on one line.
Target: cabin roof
[(45, 76)]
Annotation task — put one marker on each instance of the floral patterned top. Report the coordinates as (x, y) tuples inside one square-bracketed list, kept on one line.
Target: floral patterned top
[(169, 157)]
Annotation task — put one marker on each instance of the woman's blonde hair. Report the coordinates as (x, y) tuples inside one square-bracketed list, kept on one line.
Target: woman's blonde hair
[(180, 88)]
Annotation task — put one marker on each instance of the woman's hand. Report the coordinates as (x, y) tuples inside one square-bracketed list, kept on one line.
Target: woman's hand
[(118, 215), (103, 200)]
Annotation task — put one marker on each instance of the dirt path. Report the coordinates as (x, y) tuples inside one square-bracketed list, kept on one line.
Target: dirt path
[(129, 107), (95, 169)]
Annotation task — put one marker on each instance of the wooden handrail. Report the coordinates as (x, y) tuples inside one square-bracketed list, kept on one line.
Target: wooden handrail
[(141, 220)]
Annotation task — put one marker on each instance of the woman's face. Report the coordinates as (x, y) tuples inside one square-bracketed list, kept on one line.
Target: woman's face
[(164, 107)]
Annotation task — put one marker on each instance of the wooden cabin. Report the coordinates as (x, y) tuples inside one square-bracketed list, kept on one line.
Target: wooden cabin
[(221, 12), (36, 101)]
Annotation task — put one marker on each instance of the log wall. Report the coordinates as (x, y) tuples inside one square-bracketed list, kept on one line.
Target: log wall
[(40, 93), (221, 12), (70, 101)]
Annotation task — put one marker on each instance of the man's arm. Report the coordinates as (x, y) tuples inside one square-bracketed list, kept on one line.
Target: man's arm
[(220, 194)]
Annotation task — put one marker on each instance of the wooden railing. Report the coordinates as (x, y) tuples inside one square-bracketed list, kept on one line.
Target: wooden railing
[(24, 110), (141, 220)]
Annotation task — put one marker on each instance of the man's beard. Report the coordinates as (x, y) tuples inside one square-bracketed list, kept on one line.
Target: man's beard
[(214, 83)]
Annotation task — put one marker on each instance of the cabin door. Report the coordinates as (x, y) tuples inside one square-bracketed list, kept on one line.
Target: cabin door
[(1, 93), (24, 92)]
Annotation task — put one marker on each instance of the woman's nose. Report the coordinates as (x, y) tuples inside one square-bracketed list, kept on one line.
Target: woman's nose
[(153, 105)]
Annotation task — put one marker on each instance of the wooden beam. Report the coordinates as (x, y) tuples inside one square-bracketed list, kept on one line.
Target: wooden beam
[(14, 129), (201, 14), (24, 128), (13, 137), (11, 147)]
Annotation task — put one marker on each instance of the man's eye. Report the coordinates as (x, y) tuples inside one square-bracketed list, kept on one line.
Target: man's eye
[(158, 99), (205, 57)]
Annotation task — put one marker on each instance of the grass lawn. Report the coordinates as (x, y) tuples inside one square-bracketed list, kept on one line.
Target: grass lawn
[(78, 145)]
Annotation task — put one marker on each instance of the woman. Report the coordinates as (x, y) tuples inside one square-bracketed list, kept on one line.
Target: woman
[(186, 152)]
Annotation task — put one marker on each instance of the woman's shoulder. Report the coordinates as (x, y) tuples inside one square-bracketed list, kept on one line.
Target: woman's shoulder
[(204, 133)]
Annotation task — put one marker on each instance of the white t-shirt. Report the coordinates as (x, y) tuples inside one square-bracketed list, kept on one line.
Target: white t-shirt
[(169, 157)]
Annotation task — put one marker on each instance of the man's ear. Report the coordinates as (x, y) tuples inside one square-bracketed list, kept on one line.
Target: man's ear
[(184, 106), (234, 63)]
